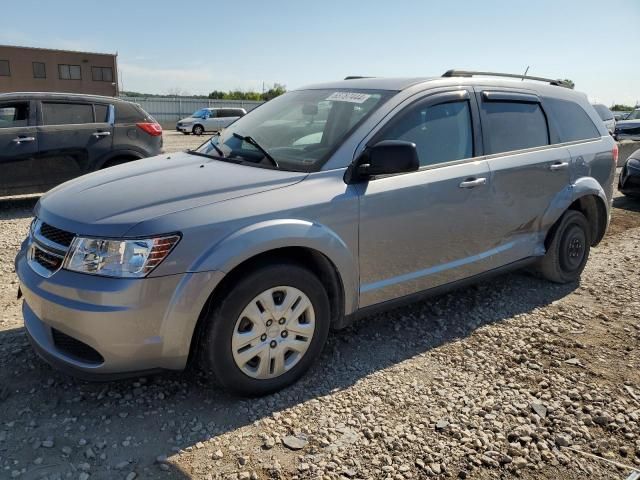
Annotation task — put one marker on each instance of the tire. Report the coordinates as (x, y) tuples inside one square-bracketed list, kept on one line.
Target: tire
[(237, 327), (198, 130), (568, 249)]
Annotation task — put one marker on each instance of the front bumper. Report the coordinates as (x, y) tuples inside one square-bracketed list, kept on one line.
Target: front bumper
[(133, 325), (184, 128)]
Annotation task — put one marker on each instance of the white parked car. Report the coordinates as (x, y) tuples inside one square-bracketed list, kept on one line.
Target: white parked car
[(607, 116), (209, 120)]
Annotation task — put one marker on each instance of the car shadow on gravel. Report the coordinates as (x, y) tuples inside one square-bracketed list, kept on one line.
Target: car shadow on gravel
[(12, 208), (631, 204), (132, 422)]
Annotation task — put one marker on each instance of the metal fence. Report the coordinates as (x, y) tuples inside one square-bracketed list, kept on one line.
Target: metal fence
[(168, 110)]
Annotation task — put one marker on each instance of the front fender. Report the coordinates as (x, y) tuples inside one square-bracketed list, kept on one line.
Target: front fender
[(269, 235)]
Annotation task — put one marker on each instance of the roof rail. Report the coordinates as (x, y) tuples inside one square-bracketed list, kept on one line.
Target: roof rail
[(471, 73), (355, 77)]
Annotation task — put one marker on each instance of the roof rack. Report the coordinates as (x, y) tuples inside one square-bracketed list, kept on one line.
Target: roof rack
[(355, 77), (470, 73)]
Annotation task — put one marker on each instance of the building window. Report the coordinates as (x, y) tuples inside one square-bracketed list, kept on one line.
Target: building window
[(4, 68), (69, 72), (102, 74), (39, 70)]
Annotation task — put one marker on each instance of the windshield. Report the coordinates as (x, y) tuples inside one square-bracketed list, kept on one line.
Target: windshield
[(299, 129), (604, 112), (200, 113), (635, 115)]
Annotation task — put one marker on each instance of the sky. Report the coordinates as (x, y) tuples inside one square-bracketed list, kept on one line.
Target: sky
[(197, 47)]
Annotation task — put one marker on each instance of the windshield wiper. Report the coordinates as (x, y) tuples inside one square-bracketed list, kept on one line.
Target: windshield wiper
[(217, 148), (253, 142)]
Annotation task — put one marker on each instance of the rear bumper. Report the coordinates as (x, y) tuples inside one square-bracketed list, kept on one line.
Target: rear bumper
[(130, 325)]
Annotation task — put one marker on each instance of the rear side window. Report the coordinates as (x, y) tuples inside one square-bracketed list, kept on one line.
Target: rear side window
[(66, 113), (513, 126), (572, 122), (128, 113), (442, 132), (102, 113), (14, 115), (603, 112)]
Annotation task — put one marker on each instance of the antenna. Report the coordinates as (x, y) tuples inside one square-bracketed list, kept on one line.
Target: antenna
[(525, 73)]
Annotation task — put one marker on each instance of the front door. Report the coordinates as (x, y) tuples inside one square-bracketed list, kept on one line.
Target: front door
[(427, 228), (18, 148)]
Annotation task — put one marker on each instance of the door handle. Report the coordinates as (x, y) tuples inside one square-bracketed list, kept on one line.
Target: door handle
[(20, 140), (558, 166), (101, 134), (472, 183)]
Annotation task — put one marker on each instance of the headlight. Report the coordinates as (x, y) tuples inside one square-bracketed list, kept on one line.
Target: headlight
[(118, 258)]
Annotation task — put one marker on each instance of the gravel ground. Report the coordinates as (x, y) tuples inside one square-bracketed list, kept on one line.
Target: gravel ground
[(514, 377)]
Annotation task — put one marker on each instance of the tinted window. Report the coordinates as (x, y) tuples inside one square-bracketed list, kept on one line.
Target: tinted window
[(604, 112), (4, 68), (69, 72), (442, 133), (66, 113), (102, 113), (14, 115), (572, 122), (102, 74), (39, 70), (513, 126), (128, 113)]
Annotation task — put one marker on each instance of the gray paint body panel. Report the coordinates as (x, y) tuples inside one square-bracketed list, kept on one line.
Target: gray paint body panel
[(387, 238)]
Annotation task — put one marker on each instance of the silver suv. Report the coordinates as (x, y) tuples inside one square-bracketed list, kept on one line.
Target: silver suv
[(321, 206)]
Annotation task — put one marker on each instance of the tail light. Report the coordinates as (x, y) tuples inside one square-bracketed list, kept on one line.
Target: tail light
[(615, 154), (153, 129)]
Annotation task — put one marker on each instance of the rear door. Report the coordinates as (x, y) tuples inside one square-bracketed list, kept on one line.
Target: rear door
[(18, 148), (70, 140), (527, 172)]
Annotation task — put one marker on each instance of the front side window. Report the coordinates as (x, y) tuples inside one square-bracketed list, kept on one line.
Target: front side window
[(5, 71), (39, 70), (69, 72), (102, 74), (299, 129), (572, 122), (511, 125), (202, 113), (66, 113), (14, 115), (442, 132)]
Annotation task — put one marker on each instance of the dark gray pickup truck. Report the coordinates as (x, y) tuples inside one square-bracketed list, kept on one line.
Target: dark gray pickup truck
[(49, 138)]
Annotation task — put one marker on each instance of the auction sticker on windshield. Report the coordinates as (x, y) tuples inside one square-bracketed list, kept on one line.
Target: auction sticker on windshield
[(351, 97)]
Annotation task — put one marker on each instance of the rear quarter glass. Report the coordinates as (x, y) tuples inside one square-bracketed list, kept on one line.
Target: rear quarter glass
[(130, 113)]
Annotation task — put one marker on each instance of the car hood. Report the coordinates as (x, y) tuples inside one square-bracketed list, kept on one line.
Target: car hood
[(622, 123), (112, 201), (188, 120)]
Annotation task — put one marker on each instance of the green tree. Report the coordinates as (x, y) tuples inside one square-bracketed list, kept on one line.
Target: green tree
[(621, 108), (217, 95), (273, 92)]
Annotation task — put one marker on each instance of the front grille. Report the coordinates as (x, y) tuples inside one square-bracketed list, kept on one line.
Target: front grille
[(47, 260), (56, 235), (75, 348)]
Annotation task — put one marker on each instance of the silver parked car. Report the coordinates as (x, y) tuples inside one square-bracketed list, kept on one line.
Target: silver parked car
[(607, 116), (322, 206), (209, 120)]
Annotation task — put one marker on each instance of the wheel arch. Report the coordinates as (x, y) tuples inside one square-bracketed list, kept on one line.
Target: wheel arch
[(586, 196)]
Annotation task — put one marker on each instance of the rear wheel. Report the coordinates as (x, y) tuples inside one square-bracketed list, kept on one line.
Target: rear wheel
[(267, 330), (568, 249), (198, 130)]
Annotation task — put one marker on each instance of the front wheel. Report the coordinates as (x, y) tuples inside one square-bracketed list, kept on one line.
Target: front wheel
[(198, 130), (267, 330), (568, 249)]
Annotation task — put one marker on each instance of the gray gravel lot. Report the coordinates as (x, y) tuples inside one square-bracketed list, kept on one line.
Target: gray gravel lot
[(514, 377)]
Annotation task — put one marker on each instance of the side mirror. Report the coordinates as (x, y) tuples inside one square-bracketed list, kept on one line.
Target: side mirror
[(384, 158)]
